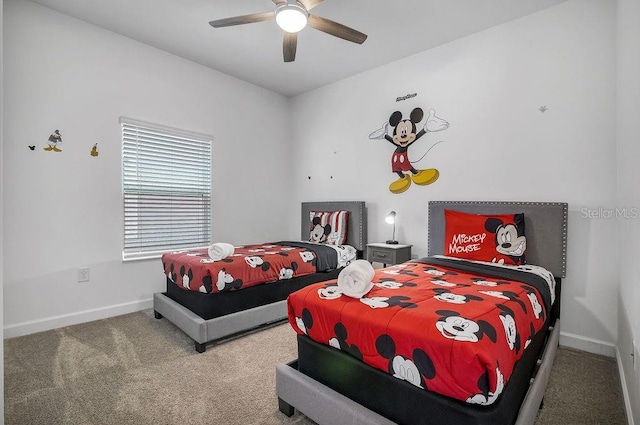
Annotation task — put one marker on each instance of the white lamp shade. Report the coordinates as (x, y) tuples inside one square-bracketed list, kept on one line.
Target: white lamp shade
[(391, 218), (291, 17)]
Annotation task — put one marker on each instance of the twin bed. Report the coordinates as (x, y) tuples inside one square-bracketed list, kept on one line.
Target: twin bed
[(438, 340), (210, 300)]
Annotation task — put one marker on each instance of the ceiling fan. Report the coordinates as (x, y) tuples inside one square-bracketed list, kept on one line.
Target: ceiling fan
[(292, 16)]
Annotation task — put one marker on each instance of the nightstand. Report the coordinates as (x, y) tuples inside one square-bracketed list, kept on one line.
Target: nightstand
[(387, 253)]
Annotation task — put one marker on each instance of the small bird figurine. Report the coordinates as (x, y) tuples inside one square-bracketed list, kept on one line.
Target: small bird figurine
[(94, 150), (54, 139)]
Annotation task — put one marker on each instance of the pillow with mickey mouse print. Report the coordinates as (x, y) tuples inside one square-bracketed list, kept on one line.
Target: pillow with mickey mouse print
[(498, 238), (328, 227)]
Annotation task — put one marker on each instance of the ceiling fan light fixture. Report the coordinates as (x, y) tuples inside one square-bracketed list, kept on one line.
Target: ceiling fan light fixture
[(291, 17)]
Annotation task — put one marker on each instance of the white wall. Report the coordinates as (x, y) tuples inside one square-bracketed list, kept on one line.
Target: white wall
[(1, 216), (628, 126), (64, 209), (499, 146)]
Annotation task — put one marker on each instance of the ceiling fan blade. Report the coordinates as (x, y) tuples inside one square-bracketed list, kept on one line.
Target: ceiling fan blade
[(309, 4), (244, 19), (289, 45), (336, 29)]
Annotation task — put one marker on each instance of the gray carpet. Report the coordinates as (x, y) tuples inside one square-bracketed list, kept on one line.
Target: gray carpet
[(584, 388), (134, 369)]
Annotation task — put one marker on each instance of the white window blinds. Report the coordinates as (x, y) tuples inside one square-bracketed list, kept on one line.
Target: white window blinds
[(166, 180)]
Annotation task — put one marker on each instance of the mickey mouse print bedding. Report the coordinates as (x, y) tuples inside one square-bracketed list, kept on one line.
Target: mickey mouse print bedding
[(452, 326), (251, 265)]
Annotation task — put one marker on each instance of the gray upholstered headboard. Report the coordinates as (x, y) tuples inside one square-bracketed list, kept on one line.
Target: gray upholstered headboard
[(356, 224), (545, 228)]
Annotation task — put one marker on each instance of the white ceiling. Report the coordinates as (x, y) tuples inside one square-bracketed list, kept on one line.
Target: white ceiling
[(253, 52)]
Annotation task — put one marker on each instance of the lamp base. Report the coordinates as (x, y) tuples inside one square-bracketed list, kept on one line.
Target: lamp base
[(391, 242)]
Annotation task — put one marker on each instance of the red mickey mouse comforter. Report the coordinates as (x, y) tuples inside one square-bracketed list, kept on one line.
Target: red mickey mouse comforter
[(252, 265), (451, 326)]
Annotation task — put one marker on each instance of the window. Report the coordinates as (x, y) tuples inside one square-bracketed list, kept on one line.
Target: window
[(166, 181)]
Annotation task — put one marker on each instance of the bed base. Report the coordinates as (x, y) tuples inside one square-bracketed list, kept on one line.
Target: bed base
[(324, 405), (319, 402), (209, 317), (210, 306), (203, 331)]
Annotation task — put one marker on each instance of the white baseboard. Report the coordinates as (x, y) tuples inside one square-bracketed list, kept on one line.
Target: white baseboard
[(33, 326), (625, 393), (589, 345)]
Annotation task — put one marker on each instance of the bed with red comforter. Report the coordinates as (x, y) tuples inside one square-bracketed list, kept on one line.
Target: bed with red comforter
[(451, 326), (438, 340), (252, 265), (246, 289)]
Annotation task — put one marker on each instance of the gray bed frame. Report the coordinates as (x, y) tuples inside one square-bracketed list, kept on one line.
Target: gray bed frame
[(546, 231), (203, 331)]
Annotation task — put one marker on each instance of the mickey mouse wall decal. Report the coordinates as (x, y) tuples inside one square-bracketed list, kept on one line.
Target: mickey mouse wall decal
[(403, 135)]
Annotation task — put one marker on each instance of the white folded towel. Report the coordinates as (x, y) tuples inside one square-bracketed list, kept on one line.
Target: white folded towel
[(220, 250), (355, 279)]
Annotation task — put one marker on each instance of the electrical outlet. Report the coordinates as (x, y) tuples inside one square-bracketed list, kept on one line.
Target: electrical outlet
[(83, 274)]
